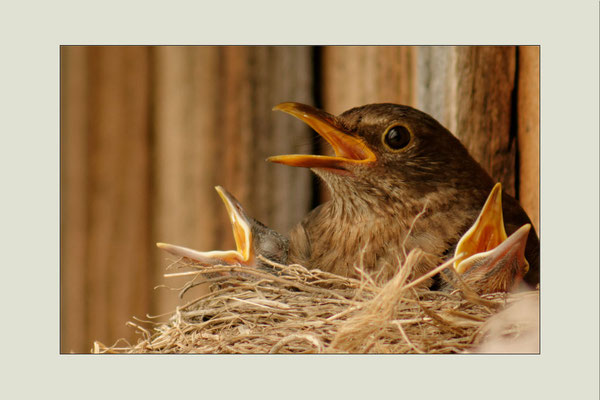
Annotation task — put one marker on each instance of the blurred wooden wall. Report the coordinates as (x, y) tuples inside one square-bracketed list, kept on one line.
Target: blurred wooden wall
[(147, 132)]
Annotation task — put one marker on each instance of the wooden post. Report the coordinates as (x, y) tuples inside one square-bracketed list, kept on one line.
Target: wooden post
[(358, 75), (105, 212), (528, 113), (118, 179), (73, 169)]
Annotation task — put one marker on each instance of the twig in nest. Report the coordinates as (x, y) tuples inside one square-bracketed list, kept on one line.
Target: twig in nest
[(298, 336), (411, 344), (469, 294), (430, 274)]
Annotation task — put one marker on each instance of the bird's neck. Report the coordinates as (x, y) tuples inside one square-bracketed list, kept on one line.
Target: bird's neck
[(366, 201), (348, 230), (401, 211)]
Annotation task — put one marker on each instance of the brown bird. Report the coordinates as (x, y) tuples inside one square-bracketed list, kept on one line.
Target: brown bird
[(399, 180)]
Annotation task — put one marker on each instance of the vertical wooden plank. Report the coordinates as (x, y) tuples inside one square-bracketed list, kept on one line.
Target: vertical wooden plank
[(358, 75), (118, 213), (528, 113), (73, 159), (187, 157), (395, 71), (103, 140), (130, 272), (469, 89), (214, 126), (435, 92)]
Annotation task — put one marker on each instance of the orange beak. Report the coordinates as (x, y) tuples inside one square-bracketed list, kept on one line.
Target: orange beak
[(489, 261), (242, 233), (486, 233), (348, 149)]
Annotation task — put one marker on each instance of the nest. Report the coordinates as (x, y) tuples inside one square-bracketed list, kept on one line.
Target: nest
[(297, 310)]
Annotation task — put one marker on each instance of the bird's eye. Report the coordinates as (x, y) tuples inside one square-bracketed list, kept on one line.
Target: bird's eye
[(397, 137)]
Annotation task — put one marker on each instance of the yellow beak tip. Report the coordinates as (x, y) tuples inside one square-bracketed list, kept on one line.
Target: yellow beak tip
[(282, 106)]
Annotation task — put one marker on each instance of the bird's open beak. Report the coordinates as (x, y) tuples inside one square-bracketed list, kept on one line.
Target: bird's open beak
[(486, 233), (491, 262), (348, 149), (240, 224), (242, 235)]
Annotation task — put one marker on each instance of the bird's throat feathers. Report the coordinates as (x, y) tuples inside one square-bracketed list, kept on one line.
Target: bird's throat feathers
[(354, 198), (377, 230), (404, 214)]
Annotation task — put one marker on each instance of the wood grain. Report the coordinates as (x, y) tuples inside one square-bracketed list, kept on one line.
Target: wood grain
[(529, 131), (358, 75), (73, 169), (105, 183), (118, 210)]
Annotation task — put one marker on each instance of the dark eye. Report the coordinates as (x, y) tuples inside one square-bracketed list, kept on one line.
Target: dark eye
[(397, 137)]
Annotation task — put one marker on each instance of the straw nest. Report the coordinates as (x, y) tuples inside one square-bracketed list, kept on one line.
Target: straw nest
[(297, 310)]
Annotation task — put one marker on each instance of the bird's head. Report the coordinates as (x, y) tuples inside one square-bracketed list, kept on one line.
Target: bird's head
[(389, 147)]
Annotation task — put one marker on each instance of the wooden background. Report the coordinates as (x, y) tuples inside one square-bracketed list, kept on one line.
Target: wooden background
[(147, 132)]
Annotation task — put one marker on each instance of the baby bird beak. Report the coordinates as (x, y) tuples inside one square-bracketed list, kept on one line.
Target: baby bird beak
[(242, 233), (491, 262)]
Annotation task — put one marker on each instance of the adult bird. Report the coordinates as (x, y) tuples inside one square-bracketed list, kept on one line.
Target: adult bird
[(399, 180)]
